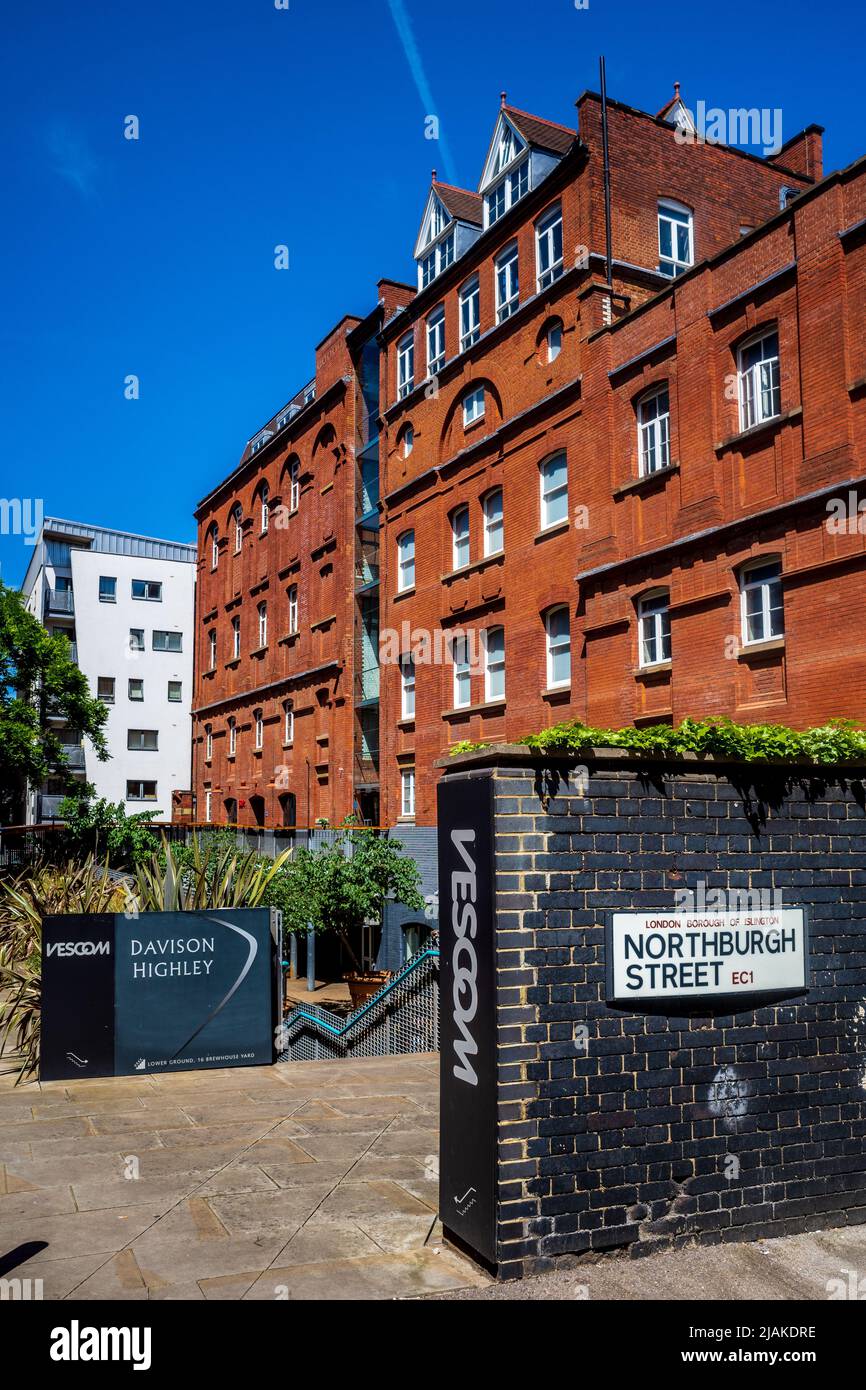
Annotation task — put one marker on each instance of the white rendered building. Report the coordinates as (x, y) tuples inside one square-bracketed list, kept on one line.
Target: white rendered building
[(126, 605)]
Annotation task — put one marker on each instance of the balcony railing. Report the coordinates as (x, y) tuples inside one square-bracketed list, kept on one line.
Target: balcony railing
[(48, 807), (60, 601), (367, 684), (74, 754)]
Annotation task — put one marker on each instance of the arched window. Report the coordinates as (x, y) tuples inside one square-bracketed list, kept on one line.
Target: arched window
[(460, 553), (294, 485), (493, 650), (558, 642), (264, 509), (436, 340), (406, 561), (208, 742), (758, 374), (233, 736), (214, 540), (494, 535), (407, 441), (263, 624), (238, 520), (654, 628), (548, 247), (259, 725), (554, 491), (762, 610), (654, 430)]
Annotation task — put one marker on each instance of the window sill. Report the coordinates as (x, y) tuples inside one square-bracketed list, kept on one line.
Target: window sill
[(289, 639), (474, 567), (732, 441), (259, 651), (486, 707), (646, 481), (557, 692), (473, 424), (555, 530), (323, 623), (230, 665), (289, 745), (407, 723), (657, 668), (405, 820), (403, 593), (775, 644), (211, 671)]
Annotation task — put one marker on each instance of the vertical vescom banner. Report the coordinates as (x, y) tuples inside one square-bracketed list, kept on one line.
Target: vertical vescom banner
[(467, 1152)]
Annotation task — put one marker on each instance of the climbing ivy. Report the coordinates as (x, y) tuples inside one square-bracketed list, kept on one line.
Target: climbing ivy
[(838, 741)]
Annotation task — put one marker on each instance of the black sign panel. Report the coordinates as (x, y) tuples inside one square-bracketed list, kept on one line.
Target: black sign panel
[(77, 997), (467, 1154), (163, 991)]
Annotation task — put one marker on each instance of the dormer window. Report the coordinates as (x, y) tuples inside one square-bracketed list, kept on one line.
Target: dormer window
[(438, 259), (506, 193)]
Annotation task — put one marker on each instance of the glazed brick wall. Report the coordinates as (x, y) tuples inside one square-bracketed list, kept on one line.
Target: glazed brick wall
[(624, 1142), (728, 499)]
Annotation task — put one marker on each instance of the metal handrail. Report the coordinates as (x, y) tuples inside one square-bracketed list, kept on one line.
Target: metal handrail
[(426, 953)]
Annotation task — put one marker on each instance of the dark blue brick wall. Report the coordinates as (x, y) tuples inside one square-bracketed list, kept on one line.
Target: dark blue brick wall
[(657, 1129), (420, 842)]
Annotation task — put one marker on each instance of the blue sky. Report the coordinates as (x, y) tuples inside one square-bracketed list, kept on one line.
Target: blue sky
[(302, 126)]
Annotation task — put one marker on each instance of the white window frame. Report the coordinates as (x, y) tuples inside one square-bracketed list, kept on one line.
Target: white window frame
[(473, 406), (507, 274), (435, 336), (236, 638), (408, 441), (294, 610), (263, 623), (407, 686), (654, 430), (288, 723), (208, 805), (461, 671), (233, 736), (405, 562), (436, 259), (555, 644), (509, 189), (265, 511), (238, 518), (551, 495), (493, 655), (294, 485), (259, 730), (470, 313), (553, 338), (214, 549), (208, 743), (654, 629), (460, 543), (212, 649), (765, 587), (407, 793), (759, 387), (548, 242), (676, 215), (494, 523), (406, 365)]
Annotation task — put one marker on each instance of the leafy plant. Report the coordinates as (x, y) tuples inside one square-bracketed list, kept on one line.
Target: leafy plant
[(339, 886), (218, 875), (38, 680), (102, 827), (38, 891), (838, 741)]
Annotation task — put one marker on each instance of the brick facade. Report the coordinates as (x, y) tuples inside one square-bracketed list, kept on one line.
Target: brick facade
[(626, 1129)]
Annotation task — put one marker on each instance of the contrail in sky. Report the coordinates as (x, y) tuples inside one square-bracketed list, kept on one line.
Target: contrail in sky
[(419, 77)]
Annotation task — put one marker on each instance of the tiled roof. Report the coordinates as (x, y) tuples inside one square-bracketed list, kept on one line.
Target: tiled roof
[(460, 202), (546, 135)]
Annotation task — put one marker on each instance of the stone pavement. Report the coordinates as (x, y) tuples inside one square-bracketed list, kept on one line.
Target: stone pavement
[(303, 1180)]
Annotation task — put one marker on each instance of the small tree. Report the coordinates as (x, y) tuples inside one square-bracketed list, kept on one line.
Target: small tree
[(38, 680), (339, 886), (100, 827)]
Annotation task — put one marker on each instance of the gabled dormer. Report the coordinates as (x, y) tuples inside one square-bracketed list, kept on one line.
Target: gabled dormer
[(522, 152), (451, 222), (677, 113)]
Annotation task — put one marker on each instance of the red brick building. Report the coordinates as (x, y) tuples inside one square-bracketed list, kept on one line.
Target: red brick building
[(613, 499), (605, 444), (285, 717)]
